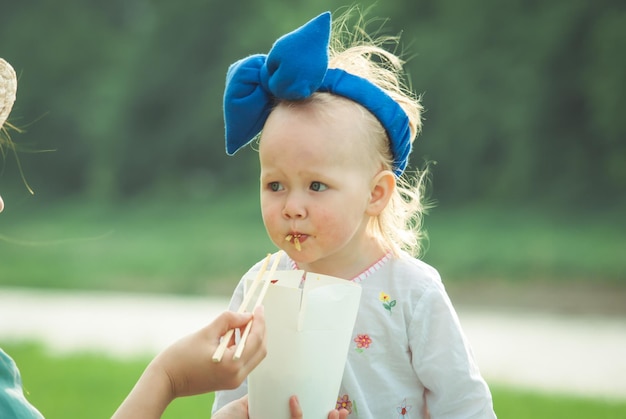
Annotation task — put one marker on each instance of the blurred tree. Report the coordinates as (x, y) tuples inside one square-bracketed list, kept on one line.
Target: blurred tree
[(603, 80), (508, 110), (523, 98)]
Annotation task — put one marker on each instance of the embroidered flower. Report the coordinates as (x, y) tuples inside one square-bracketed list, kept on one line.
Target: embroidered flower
[(388, 303), (344, 403), (362, 342), (403, 410)]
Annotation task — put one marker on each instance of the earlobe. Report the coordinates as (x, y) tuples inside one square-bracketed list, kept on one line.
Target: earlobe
[(383, 186)]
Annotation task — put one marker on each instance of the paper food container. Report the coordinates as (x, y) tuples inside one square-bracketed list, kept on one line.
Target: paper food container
[(309, 327)]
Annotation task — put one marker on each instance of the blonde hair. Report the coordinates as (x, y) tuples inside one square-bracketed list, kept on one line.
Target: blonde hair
[(399, 226)]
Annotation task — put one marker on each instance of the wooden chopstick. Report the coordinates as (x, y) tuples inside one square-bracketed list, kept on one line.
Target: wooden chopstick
[(219, 352), (259, 301)]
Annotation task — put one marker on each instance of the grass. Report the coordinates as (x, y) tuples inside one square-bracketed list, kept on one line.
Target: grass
[(205, 246), (87, 385), (159, 246), (58, 386), (521, 244), (522, 404)]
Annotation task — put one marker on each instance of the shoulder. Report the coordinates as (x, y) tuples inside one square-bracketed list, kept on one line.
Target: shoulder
[(12, 400), (405, 267), (402, 273), (10, 376), (419, 284), (405, 279)]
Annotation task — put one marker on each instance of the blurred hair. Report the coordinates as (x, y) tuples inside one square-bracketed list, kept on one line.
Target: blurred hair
[(5, 138)]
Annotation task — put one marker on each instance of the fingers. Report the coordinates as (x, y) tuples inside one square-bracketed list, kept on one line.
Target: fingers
[(235, 409), (231, 320), (338, 414), (259, 314), (294, 408), (255, 350), (257, 333)]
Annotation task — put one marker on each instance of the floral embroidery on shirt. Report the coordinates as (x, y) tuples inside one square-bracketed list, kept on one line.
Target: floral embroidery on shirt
[(403, 410), (344, 402), (362, 342), (388, 303)]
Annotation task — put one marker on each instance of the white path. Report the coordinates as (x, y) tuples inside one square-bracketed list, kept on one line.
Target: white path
[(574, 355)]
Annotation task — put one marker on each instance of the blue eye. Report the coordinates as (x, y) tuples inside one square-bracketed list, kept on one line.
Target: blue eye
[(318, 186), (275, 186)]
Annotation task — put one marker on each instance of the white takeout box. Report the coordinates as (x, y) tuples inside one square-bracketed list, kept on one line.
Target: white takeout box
[(309, 330)]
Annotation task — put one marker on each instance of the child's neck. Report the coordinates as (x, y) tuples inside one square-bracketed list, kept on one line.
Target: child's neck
[(347, 266)]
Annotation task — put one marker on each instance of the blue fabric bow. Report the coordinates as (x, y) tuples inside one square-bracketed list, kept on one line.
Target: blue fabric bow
[(295, 68)]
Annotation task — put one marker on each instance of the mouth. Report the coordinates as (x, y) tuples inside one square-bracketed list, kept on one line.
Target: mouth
[(296, 239)]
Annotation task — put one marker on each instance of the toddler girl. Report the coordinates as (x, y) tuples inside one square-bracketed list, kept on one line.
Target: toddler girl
[(336, 131)]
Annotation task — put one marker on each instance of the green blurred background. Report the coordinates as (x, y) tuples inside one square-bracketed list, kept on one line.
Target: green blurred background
[(524, 120), (524, 99), (120, 103)]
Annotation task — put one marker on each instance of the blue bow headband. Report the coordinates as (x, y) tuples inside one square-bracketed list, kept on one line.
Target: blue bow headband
[(295, 68)]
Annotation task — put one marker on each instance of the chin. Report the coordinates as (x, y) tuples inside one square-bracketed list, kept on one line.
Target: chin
[(297, 256)]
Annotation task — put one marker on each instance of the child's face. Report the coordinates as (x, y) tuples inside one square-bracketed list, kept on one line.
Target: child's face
[(315, 185)]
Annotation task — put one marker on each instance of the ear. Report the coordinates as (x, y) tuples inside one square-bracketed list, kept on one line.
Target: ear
[(383, 186)]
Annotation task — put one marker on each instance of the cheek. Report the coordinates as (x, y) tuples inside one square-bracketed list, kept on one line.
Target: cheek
[(338, 221), (333, 224), (271, 214)]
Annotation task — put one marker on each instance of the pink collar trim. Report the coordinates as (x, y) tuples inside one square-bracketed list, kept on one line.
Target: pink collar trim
[(360, 277)]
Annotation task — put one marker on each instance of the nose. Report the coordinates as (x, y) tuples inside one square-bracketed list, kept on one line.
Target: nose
[(294, 207)]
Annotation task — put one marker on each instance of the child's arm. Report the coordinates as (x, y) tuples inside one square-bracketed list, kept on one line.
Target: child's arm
[(455, 386), (186, 367)]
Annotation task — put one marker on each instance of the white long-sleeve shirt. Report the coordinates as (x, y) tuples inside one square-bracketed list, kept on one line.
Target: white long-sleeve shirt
[(409, 355)]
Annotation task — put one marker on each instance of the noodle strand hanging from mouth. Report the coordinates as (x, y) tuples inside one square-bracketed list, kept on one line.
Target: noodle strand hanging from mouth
[(296, 240)]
